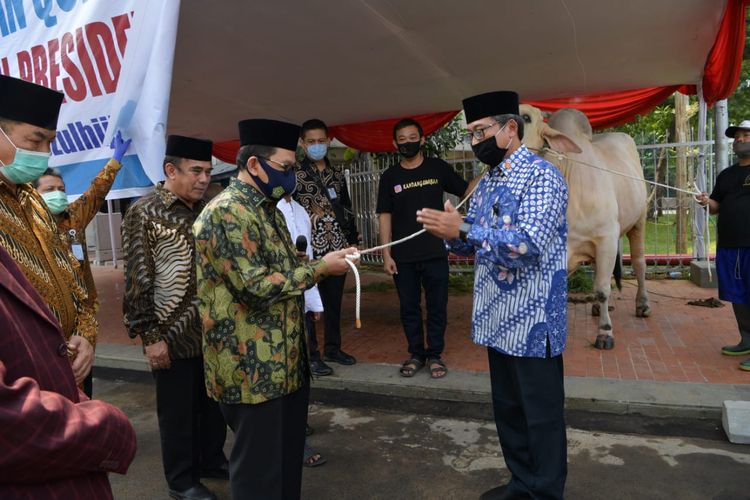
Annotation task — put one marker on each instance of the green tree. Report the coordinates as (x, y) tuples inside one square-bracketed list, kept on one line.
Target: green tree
[(739, 101)]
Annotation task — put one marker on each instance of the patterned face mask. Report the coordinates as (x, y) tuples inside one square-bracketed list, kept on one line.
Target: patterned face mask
[(279, 183)]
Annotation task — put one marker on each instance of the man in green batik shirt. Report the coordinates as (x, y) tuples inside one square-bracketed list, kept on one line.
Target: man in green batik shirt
[(251, 284)]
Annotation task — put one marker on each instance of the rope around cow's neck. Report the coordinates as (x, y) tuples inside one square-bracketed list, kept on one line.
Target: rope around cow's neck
[(355, 256), (694, 193)]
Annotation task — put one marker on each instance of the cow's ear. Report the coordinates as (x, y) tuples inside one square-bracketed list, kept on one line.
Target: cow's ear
[(559, 141)]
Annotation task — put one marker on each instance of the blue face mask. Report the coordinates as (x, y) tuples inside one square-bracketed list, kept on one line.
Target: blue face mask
[(57, 201), (27, 166), (317, 151), (279, 183)]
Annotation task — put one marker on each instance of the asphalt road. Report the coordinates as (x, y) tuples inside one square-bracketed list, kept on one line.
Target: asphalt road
[(398, 454)]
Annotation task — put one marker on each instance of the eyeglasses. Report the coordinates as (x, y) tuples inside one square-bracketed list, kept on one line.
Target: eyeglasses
[(286, 167), (477, 133)]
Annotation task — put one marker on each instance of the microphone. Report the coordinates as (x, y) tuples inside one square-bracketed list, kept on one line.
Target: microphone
[(301, 243)]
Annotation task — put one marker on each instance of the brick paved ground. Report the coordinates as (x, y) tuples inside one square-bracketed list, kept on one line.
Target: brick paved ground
[(677, 343)]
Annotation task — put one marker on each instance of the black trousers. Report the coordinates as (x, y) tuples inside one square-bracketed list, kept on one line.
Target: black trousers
[(528, 397), (269, 442), (742, 315), (331, 292), (88, 384), (191, 426), (432, 275)]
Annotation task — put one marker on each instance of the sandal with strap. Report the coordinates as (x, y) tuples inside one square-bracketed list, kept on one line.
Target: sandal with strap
[(410, 367), (312, 458), (437, 368)]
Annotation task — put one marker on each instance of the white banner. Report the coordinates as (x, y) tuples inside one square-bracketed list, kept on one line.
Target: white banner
[(113, 61)]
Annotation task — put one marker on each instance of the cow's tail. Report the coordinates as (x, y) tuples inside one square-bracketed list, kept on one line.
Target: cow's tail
[(618, 267)]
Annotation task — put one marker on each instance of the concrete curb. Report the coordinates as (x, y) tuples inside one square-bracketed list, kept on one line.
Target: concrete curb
[(372, 382)]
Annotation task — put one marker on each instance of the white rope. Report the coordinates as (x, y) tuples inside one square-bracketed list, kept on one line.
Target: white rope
[(694, 193), (561, 156), (707, 233), (357, 299), (355, 256)]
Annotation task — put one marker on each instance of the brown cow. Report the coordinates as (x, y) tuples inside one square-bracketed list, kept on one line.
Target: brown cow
[(602, 206)]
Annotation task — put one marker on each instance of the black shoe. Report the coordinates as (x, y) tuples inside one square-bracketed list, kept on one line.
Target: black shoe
[(216, 472), (319, 368), (341, 358), (197, 492), (503, 493)]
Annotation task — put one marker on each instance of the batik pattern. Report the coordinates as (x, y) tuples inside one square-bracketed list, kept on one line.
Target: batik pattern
[(160, 285), (250, 283), (30, 234), (518, 236)]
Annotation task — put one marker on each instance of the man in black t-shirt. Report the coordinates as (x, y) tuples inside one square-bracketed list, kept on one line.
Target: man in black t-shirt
[(422, 262), (731, 200)]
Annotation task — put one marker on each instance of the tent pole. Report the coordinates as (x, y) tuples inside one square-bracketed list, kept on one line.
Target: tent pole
[(111, 233), (700, 252), (722, 143)]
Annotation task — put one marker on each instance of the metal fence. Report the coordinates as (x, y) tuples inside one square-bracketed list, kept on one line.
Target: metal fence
[(659, 162)]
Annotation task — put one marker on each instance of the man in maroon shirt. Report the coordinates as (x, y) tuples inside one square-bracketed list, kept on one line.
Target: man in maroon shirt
[(55, 442)]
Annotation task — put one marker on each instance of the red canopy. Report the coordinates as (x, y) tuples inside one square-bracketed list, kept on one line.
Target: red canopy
[(720, 77)]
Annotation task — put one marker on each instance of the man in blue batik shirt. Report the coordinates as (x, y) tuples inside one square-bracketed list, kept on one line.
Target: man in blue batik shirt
[(516, 228)]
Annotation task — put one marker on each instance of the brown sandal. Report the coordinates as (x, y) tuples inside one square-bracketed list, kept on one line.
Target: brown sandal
[(437, 368), (410, 367)]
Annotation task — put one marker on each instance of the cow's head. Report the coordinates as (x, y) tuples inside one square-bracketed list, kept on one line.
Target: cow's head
[(537, 134)]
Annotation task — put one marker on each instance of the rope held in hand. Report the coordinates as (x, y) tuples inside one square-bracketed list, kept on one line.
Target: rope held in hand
[(355, 256)]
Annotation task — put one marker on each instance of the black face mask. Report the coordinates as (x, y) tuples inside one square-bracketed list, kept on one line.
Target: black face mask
[(488, 151), (409, 149), (741, 149)]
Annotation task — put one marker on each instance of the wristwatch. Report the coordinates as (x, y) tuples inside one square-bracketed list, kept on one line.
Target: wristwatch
[(463, 230)]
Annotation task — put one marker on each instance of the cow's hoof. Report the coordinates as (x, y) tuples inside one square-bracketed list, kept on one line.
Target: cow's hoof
[(595, 309), (642, 311), (605, 342)]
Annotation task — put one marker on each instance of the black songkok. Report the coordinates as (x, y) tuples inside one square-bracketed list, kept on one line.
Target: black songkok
[(30, 103), (502, 102), (189, 147), (272, 133)]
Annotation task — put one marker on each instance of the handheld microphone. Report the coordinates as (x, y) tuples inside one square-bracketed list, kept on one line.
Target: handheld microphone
[(301, 243)]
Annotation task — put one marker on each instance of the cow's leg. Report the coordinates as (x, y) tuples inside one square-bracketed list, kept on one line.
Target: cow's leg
[(637, 237), (606, 253)]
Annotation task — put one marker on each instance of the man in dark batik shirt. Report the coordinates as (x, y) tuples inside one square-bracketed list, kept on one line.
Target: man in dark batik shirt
[(321, 190), (161, 306)]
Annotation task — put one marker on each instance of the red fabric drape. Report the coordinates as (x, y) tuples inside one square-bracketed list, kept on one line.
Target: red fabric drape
[(608, 110), (722, 71), (227, 151), (377, 136), (720, 77), (374, 136)]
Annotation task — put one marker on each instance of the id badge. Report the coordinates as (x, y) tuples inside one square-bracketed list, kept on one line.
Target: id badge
[(332, 193), (77, 249)]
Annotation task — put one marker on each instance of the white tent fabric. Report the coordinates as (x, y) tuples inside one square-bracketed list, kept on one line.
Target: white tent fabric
[(349, 61)]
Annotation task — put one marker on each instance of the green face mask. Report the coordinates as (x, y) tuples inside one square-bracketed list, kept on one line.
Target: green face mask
[(27, 166), (57, 201)]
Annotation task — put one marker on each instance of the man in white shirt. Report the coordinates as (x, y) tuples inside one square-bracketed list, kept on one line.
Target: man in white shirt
[(298, 223)]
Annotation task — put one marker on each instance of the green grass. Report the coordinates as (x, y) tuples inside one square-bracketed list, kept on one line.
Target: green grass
[(661, 236), (581, 281)]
